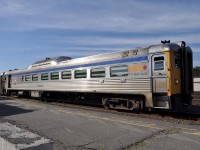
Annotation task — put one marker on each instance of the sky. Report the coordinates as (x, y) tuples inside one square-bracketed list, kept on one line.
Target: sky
[(31, 30)]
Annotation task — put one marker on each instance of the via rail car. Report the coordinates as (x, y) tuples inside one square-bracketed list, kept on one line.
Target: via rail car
[(157, 76)]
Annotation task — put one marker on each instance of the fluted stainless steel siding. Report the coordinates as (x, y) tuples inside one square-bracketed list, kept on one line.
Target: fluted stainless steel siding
[(125, 86)]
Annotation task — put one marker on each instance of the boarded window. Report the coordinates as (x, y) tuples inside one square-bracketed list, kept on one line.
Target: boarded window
[(35, 77), (28, 78), (55, 76), (98, 72), (66, 75), (81, 74), (158, 63), (45, 76), (119, 71), (177, 59)]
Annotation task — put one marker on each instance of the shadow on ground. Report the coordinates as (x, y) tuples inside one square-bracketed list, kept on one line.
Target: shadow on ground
[(5, 98), (7, 110)]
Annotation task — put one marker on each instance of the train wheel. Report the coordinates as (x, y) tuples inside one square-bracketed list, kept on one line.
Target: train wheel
[(135, 104)]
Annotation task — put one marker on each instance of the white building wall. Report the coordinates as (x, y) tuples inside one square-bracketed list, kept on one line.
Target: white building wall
[(197, 84)]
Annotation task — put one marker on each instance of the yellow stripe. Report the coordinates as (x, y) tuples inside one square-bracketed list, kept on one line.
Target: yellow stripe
[(195, 133), (110, 119)]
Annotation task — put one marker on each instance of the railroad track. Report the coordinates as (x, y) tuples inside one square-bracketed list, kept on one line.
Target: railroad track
[(192, 116)]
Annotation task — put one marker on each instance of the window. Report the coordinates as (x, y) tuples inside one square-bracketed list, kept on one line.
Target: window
[(45, 76), (55, 76), (28, 78), (98, 72), (81, 74), (158, 63), (119, 71), (35, 77), (66, 75)]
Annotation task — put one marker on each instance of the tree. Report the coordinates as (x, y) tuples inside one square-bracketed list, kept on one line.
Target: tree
[(196, 71)]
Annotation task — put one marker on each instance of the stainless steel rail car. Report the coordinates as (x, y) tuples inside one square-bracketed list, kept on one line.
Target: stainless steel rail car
[(158, 76)]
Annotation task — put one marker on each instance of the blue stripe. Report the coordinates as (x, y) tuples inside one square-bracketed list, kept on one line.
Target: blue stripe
[(142, 58)]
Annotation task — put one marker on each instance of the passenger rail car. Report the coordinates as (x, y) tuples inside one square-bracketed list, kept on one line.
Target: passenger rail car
[(158, 76)]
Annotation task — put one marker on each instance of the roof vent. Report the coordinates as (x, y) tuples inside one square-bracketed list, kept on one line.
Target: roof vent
[(165, 41)]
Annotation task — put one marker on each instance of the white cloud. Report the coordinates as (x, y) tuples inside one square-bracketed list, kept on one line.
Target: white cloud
[(135, 41), (167, 20), (103, 43), (129, 16)]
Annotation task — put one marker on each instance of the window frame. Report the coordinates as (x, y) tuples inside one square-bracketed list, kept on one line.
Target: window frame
[(58, 75), (44, 79), (26, 78), (23, 78), (97, 71), (37, 77), (81, 77), (63, 75), (116, 67), (155, 61)]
